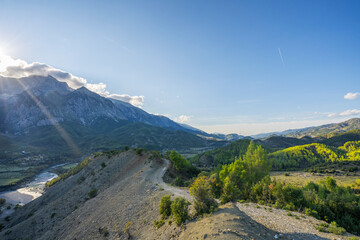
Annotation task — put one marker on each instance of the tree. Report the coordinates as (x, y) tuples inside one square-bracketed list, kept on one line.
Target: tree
[(200, 190), (239, 176)]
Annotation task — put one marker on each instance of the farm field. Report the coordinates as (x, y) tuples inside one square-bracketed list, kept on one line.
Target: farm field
[(301, 178)]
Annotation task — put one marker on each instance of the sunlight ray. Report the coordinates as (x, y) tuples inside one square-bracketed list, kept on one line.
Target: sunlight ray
[(61, 131)]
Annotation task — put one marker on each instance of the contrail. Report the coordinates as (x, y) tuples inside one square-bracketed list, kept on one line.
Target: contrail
[(282, 60)]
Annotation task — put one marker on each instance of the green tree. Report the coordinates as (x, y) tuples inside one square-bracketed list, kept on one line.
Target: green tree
[(200, 190)]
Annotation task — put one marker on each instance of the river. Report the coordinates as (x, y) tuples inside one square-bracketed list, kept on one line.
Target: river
[(27, 192)]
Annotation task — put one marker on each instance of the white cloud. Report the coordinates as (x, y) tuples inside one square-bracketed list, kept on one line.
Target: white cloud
[(350, 112), (17, 68), (182, 119), (352, 96), (137, 101)]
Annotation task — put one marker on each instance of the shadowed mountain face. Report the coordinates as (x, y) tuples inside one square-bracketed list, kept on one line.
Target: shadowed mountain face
[(24, 100), (33, 109)]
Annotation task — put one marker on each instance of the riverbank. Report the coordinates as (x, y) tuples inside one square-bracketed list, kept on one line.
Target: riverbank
[(26, 193)]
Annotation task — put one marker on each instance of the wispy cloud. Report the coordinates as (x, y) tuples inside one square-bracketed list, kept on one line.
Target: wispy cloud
[(352, 96), (350, 112), (282, 59), (256, 128), (17, 68), (182, 119)]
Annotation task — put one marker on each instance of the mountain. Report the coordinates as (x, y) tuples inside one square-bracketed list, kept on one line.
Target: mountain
[(230, 137), (25, 99), (44, 113), (327, 129)]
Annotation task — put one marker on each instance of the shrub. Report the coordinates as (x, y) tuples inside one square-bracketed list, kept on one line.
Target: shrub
[(2, 201), (127, 228), (165, 207), (52, 215), (311, 212), (179, 182), (179, 210), (105, 232), (92, 193), (159, 223), (103, 165), (139, 151), (203, 202), (334, 228)]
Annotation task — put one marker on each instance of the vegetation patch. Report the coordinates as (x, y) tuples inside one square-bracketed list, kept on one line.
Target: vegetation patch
[(93, 192), (72, 171)]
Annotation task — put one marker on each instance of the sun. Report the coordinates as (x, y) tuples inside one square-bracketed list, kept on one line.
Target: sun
[(6, 60)]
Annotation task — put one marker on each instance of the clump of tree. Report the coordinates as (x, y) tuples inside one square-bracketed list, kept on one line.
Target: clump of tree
[(238, 177), (224, 155), (176, 209), (183, 168), (248, 179)]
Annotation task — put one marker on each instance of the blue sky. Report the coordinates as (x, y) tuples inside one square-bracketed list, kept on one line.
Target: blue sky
[(215, 63)]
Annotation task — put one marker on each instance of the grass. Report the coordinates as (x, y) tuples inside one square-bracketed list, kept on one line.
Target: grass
[(300, 178), (9, 181)]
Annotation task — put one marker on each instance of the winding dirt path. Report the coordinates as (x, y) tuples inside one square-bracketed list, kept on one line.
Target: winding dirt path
[(177, 191)]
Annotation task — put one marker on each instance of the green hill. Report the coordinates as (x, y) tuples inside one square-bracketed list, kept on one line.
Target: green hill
[(311, 154), (305, 156)]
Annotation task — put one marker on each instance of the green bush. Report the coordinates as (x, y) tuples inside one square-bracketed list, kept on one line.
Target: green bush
[(139, 151), (179, 210), (334, 228), (159, 223), (165, 207), (179, 182), (92, 193), (311, 212)]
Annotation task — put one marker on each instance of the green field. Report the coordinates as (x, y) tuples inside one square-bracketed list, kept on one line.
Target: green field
[(300, 178)]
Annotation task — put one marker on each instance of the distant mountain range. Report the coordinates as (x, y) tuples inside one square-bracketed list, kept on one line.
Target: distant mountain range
[(42, 112), (333, 128)]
